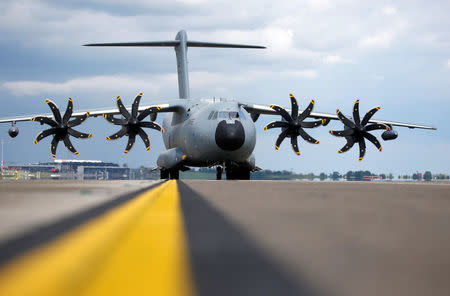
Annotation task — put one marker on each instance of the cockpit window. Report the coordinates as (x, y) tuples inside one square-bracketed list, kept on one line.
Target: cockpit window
[(211, 115), (234, 115), (223, 114)]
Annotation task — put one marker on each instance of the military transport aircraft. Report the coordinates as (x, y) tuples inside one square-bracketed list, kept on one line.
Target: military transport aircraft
[(208, 132)]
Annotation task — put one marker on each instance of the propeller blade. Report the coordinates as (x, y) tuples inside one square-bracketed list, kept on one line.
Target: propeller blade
[(45, 120), (306, 112), (147, 112), (282, 112), (69, 145), (69, 111), (350, 143), (374, 140), (345, 120), (294, 144), (122, 132), (280, 139), (362, 148), (135, 105), (369, 115), (344, 133), (377, 126), (122, 108), (311, 124), (77, 134), (150, 124), (275, 124), (54, 145), (356, 113), (307, 137), (131, 139), (116, 121), (55, 110), (144, 138), (78, 120), (294, 106), (44, 134)]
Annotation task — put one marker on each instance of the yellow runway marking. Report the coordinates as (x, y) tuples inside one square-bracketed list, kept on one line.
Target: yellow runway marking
[(137, 248)]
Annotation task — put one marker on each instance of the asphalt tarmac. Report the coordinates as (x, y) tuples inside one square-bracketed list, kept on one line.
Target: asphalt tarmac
[(279, 238)]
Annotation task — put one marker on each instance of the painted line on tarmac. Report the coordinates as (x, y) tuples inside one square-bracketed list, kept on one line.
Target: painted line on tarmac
[(137, 247)]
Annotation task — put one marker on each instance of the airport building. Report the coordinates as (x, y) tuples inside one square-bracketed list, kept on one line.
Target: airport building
[(72, 169)]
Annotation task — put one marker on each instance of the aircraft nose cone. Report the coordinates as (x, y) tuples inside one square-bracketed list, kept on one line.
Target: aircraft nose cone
[(230, 136)]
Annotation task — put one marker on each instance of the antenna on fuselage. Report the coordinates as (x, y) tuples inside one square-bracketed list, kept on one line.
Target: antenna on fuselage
[(180, 44)]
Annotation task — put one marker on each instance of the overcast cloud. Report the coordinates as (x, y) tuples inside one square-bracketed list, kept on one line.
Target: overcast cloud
[(390, 54)]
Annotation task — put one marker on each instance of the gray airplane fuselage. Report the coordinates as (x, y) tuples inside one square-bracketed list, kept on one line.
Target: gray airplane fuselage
[(210, 132)]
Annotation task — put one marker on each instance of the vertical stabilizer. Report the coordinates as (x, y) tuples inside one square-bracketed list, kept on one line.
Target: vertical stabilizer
[(183, 76)]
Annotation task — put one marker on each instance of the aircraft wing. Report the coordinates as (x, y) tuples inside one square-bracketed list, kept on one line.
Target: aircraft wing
[(158, 108), (263, 109)]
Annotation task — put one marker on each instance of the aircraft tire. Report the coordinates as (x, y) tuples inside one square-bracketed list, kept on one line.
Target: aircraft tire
[(164, 174), (174, 174)]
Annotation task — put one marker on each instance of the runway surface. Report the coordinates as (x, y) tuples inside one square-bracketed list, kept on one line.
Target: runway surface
[(224, 238)]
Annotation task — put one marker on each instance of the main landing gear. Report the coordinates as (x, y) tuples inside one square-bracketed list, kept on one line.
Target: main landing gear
[(237, 172), (173, 174)]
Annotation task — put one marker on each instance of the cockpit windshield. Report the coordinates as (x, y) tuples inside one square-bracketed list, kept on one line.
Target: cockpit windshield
[(223, 114)]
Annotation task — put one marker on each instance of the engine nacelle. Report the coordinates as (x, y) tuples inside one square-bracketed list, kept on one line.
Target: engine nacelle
[(389, 135), (170, 158), (13, 131)]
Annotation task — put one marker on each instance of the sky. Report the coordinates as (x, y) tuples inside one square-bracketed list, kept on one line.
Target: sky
[(393, 54)]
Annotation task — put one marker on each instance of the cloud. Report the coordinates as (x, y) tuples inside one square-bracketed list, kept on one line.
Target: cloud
[(379, 40), (335, 59), (448, 63), (389, 10), (153, 84)]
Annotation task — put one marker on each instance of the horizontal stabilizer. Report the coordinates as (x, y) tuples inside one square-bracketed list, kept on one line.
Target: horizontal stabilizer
[(175, 43), (146, 43), (223, 45)]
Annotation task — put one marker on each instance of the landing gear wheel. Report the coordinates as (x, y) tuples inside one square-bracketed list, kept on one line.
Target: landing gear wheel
[(237, 173), (219, 171), (164, 174), (174, 174)]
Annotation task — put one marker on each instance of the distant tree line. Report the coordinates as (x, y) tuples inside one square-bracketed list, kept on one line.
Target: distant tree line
[(147, 173)]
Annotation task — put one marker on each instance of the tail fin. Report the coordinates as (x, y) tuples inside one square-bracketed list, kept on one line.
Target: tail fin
[(180, 44)]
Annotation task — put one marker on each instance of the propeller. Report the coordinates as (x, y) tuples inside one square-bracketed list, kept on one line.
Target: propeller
[(292, 125), (357, 131), (61, 127), (132, 123)]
